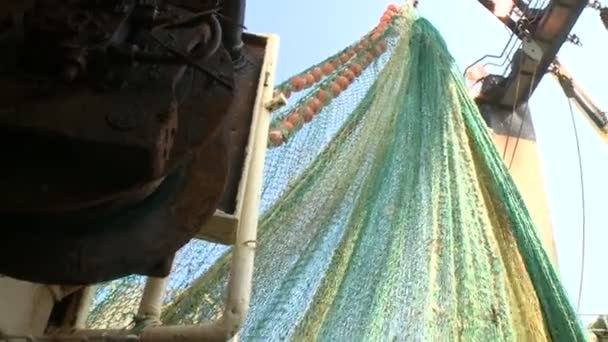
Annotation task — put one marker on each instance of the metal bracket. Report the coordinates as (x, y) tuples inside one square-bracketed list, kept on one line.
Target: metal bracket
[(532, 49), (574, 39), (278, 101)]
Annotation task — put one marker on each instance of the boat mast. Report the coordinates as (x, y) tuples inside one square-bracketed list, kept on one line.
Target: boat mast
[(503, 98)]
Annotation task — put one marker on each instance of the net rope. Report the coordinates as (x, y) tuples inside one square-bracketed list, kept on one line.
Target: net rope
[(390, 216)]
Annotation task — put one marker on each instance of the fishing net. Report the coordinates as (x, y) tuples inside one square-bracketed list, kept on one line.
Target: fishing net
[(387, 214)]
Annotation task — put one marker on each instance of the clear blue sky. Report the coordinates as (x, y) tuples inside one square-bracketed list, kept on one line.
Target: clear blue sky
[(312, 30)]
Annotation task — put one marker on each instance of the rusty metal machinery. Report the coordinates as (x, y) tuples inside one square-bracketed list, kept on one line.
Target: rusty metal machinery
[(543, 31), (540, 32), (115, 133)]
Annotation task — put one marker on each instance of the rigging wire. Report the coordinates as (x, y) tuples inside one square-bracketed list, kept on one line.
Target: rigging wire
[(530, 6), (580, 166), (504, 152), (510, 124), (523, 119)]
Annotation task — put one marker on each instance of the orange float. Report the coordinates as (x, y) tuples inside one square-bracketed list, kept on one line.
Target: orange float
[(356, 69), (310, 80), (315, 104), (297, 83), (335, 89), (350, 76), (342, 82), (322, 96), (344, 58), (294, 118), (317, 73), (276, 137), (307, 113), (328, 68), (287, 126)]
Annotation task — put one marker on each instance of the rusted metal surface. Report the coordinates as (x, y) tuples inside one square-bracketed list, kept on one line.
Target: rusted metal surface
[(223, 226), (548, 27), (239, 116), (116, 138)]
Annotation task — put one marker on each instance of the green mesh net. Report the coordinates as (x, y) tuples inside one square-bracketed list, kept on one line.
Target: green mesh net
[(390, 216)]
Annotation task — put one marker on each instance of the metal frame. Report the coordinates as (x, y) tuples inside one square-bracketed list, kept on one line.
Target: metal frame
[(551, 33)]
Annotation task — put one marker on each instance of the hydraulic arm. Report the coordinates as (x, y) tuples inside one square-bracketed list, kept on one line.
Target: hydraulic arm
[(582, 100)]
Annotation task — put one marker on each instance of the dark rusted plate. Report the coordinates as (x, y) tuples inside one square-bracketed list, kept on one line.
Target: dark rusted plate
[(74, 148), (137, 240), (98, 242)]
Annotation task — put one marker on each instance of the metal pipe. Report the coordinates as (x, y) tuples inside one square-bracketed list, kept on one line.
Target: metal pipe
[(233, 15), (84, 305), (151, 304)]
